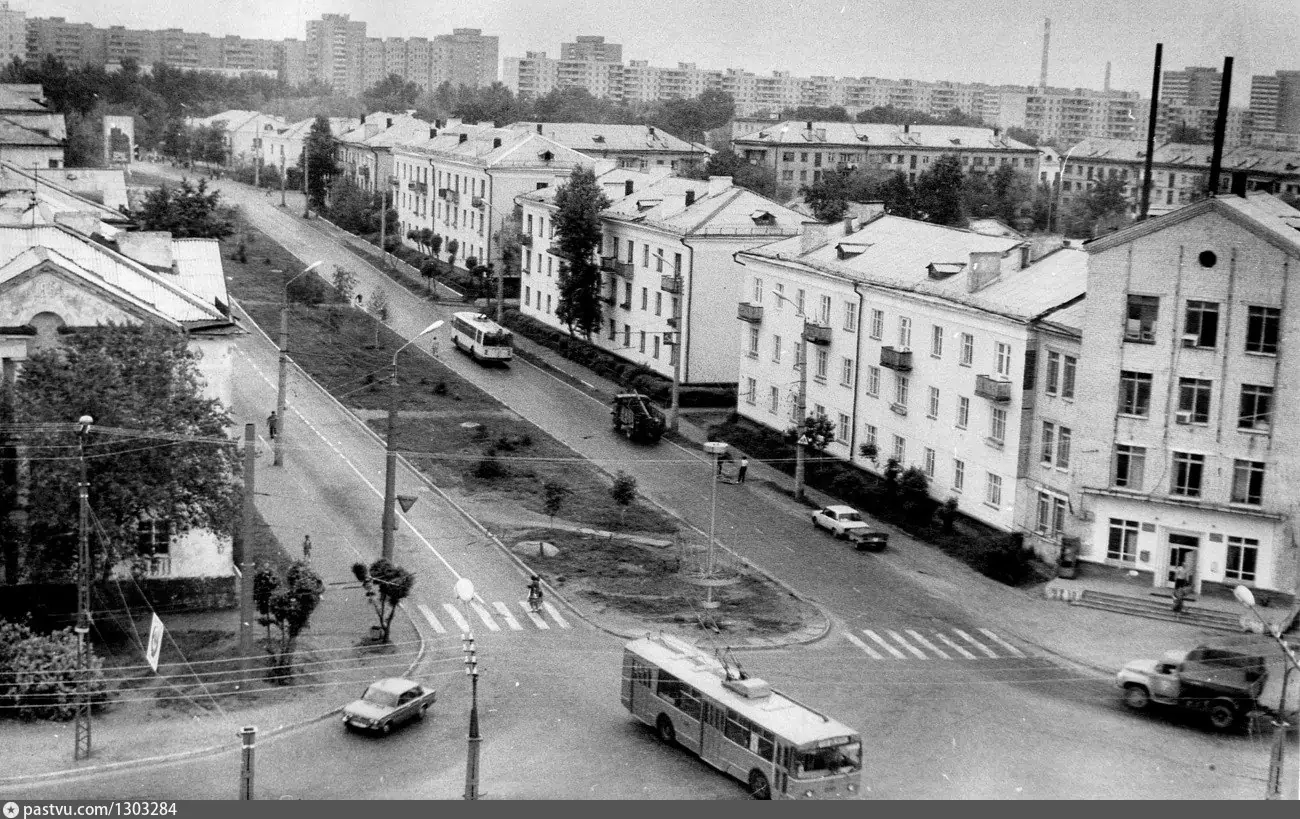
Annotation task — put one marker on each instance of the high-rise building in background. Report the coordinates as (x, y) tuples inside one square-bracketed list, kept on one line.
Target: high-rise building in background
[(589, 47), (13, 33), (1275, 102), (1193, 86), (464, 57), (335, 52)]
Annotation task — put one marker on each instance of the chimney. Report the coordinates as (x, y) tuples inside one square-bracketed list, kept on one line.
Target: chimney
[(389, 120), (718, 184), (907, 127), (985, 267), (850, 224), (83, 223), (1047, 40), (1220, 127), (1106, 85), (539, 127), (463, 139), (997, 131), (1239, 182), (628, 186), (814, 236), (690, 198), (433, 132), (496, 142), (363, 119), (1144, 202), (151, 247), (809, 123), (651, 129)]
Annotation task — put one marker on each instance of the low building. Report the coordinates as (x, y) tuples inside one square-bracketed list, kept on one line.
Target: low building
[(365, 153), (639, 147), (244, 133), (31, 135), (282, 147)]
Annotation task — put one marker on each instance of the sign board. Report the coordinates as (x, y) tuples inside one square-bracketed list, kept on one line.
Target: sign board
[(155, 642)]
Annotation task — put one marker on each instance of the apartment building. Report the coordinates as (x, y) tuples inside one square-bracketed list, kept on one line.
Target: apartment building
[(244, 133), (668, 267), (464, 57), (536, 75), (1237, 130), (336, 52), (1194, 86), (1185, 334), (282, 147), (640, 147), (365, 153), (463, 180), (13, 33), (1275, 102), (920, 345), (590, 47)]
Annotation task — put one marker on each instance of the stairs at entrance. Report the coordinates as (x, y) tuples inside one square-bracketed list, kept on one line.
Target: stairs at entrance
[(1159, 608)]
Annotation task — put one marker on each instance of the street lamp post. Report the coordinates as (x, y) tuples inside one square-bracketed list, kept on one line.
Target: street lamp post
[(282, 380), (1274, 785), (81, 749), (717, 449), (465, 592), (390, 466), (801, 401)]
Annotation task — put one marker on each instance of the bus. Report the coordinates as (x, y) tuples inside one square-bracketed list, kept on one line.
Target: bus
[(481, 337), (740, 725)]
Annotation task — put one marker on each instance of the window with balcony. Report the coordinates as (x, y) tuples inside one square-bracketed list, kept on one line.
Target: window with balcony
[(1201, 325), (631, 255), (963, 412), (1262, 325), (1248, 482), (1188, 473), (1134, 393), (1121, 545), (934, 403), (1193, 401), (756, 296), (1256, 410), (936, 341), (873, 381), (958, 474), (1243, 552), (1128, 467), (824, 313), (877, 324), (967, 350), (1140, 326)]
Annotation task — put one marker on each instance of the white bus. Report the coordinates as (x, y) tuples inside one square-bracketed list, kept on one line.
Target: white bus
[(740, 725), (481, 337)]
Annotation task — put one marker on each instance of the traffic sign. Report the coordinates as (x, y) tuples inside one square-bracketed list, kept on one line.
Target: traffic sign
[(155, 642)]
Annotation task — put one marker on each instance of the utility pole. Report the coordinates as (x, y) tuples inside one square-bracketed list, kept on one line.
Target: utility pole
[(257, 164), (306, 176), (249, 736), (501, 288), (82, 747), (674, 405), (246, 567), (282, 379), (390, 450), (1243, 595), (465, 591), (717, 449), (282, 180)]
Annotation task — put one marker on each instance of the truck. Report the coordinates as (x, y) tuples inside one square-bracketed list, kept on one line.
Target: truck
[(637, 418), (1225, 682)]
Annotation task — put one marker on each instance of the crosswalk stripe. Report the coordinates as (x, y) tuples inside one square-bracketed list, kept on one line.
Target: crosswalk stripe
[(917, 636), (874, 636), (484, 615), (853, 638), (528, 610), (507, 616), (433, 621), (1015, 652), (963, 652), (456, 616), (898, 638), (974, 642), (551, 610)]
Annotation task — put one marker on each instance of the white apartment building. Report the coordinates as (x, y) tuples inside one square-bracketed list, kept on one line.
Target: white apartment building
[(244, 132), (366, 152), (640, 147), (282, 147), (1188, 450), (917, 340), (669, 268), (463, 182)]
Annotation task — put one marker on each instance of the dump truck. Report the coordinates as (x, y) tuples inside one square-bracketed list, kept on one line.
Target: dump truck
[(1223, 681), (637, 418)]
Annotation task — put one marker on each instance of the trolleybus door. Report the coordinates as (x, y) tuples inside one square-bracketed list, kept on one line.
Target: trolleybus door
[(711, 738)]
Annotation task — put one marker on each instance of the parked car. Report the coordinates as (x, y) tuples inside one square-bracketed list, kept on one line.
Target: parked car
[(388, 703), (840, 520), (1223, 682)]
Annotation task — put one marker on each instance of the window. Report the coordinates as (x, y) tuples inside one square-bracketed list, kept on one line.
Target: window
[(1052, 375), (993, 490), (645, 298), (900, 449), (958, 474), (1262, 329), (751, 386), (825, 311), (1122, 543), (927, 464), (773, 400), (627, 336), (850, 317), (1141, 324), (936, 341), (1201, 324), (1002, 358), (1068, 365), (799, 301), (645, 255), (967, 349), (963, 412), (1248, 482), (613, 329), (846, 372), (776, 349), (1189, 468), (753, 342), (842, 429), (904, 332), (659, 303), (1193, 401), (153, 537), (757, 298), (1130, 463), (873, 381), (901, 384), (1049, 443), (655, 353), (1134, 393), (822, 363), (1063, 438), (642, 346), (1256, 407), (1242, 555), (779, 292), (877, 324), (1051, 515), (998, 425), (869, 434), (630, 255), (934, 402)]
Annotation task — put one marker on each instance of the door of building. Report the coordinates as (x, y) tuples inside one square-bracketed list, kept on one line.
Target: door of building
[(1182, 550)]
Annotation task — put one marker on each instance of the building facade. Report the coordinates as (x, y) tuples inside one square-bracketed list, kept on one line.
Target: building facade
[(639, 147), (1275, 102), (365, 153), (13, 33)]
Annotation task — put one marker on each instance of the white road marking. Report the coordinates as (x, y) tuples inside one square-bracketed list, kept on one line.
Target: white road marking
[(456, 616), (853, 638), (898, 638), (537, 621), (885, 645), (963, 652), (975, 642), (433, 621), (551, 610), (916, 635), (507, 616), (1015, 652), (484, 615)]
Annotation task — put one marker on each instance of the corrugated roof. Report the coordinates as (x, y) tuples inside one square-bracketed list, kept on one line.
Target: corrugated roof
[(13, 133), (861, 134), (198, 269)]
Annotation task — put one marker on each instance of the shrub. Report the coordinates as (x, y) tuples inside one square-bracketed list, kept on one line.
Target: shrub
[(1006, 559), (489, 469), (440, 388), (41, 679)]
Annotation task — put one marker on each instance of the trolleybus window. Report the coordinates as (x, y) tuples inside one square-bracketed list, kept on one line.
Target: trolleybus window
[(840, 758)]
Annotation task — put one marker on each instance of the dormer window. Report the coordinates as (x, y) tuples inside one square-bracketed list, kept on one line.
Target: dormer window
[(546, 156), (763, 217), (647, 204), (847, 250), (598, 138)]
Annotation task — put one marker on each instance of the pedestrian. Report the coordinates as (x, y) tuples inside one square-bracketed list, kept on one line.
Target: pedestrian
[(1182, 581), (306, 548), (272, 425), (742, 469)]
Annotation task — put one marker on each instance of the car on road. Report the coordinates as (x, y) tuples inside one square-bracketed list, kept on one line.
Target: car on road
[(842, 521), (387, 704), (1224, 682)]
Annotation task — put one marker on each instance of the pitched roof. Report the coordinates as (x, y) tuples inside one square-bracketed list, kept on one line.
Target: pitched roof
[(54, 196), (15, 133), (1267, 216), (517, 148), (600, 137), (1257, 160), (862, 134)]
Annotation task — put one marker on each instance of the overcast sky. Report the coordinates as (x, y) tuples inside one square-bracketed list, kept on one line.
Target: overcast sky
[(995, 41)]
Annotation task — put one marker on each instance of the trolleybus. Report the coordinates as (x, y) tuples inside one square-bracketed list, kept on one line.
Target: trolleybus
[(481, 337), (740, 725)]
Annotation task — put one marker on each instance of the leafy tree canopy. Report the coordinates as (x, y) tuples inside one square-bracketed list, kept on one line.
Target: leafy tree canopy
[(391, 94), (760, 179), (939, 192), (186, 211), (834, 113), (577, 227)]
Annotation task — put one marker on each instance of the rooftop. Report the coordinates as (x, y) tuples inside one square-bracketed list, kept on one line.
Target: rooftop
[(1265, 214), (1258, 160), (599, 137), (948, 137)]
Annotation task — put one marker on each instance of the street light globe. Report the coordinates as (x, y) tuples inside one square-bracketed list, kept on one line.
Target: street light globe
[(85, 420), (715, 448), (1244, 596), (465, 589)]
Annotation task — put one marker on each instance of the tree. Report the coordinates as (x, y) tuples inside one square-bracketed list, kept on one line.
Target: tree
[(623, 492), (350, 206), (898, 196), (265, 582), (318, 150), (42, 678), (185, 211), (391, 94), (175, 468), (834, 113), (386, 585), (690, 118), (290, 608), (1012, 191), (938, 192), (914, 494), (760, 179), (554, 494), (1024, 135), (425, 240), (578, 234), (453, 245), (379, 309), (1185, 134), (828, 197)]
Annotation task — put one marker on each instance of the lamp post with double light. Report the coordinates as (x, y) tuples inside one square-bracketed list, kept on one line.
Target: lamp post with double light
[(1246, 597), (465, 593), (282, 380), (390, 465)]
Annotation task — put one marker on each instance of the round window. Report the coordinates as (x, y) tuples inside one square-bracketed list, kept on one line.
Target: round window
[(1208, 258)]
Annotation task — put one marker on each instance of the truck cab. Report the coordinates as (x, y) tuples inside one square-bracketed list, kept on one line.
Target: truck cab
[(1223, 682)]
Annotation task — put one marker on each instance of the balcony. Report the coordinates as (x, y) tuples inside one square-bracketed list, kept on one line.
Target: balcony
[(477, 202), (611, 264), (816, 333), (672, 322), (442, 192), (627, 305), (994, 389), (525, 240), (896, 358), (753, 313), (898, 409), (669, 284), (609, 299)]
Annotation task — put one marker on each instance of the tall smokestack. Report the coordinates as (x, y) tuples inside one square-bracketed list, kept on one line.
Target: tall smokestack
[(1106, 85), (1220, 126), (1047, 40), (1145, 207)]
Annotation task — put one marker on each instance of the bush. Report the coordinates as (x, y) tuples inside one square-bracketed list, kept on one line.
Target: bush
[(489, 468), (41, 679)]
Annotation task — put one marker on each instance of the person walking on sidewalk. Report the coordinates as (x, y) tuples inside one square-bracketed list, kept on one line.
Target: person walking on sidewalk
[(306, 548), (272, 425), (742, 469), (1181, 583)]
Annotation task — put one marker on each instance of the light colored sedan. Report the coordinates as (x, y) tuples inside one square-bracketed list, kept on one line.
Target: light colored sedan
[(840, 520), (388, 703)]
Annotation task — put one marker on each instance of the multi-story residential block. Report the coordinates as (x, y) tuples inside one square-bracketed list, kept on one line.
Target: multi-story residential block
[(13, 33), (919, 343), (245, 133), (282, 147), (668, 267), (365, 153), (1275, 102), (640, 147), (464, 57), (461, 183), (1058, 114), (76, 44), (293, 66), (1194, 86), (1185, 336), (643, 82), (336, 51), (593, 48), (536, 75), (1203, 118)]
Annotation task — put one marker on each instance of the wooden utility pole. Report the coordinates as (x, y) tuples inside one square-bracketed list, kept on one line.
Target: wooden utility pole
[(246, 557), (82, 733)]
